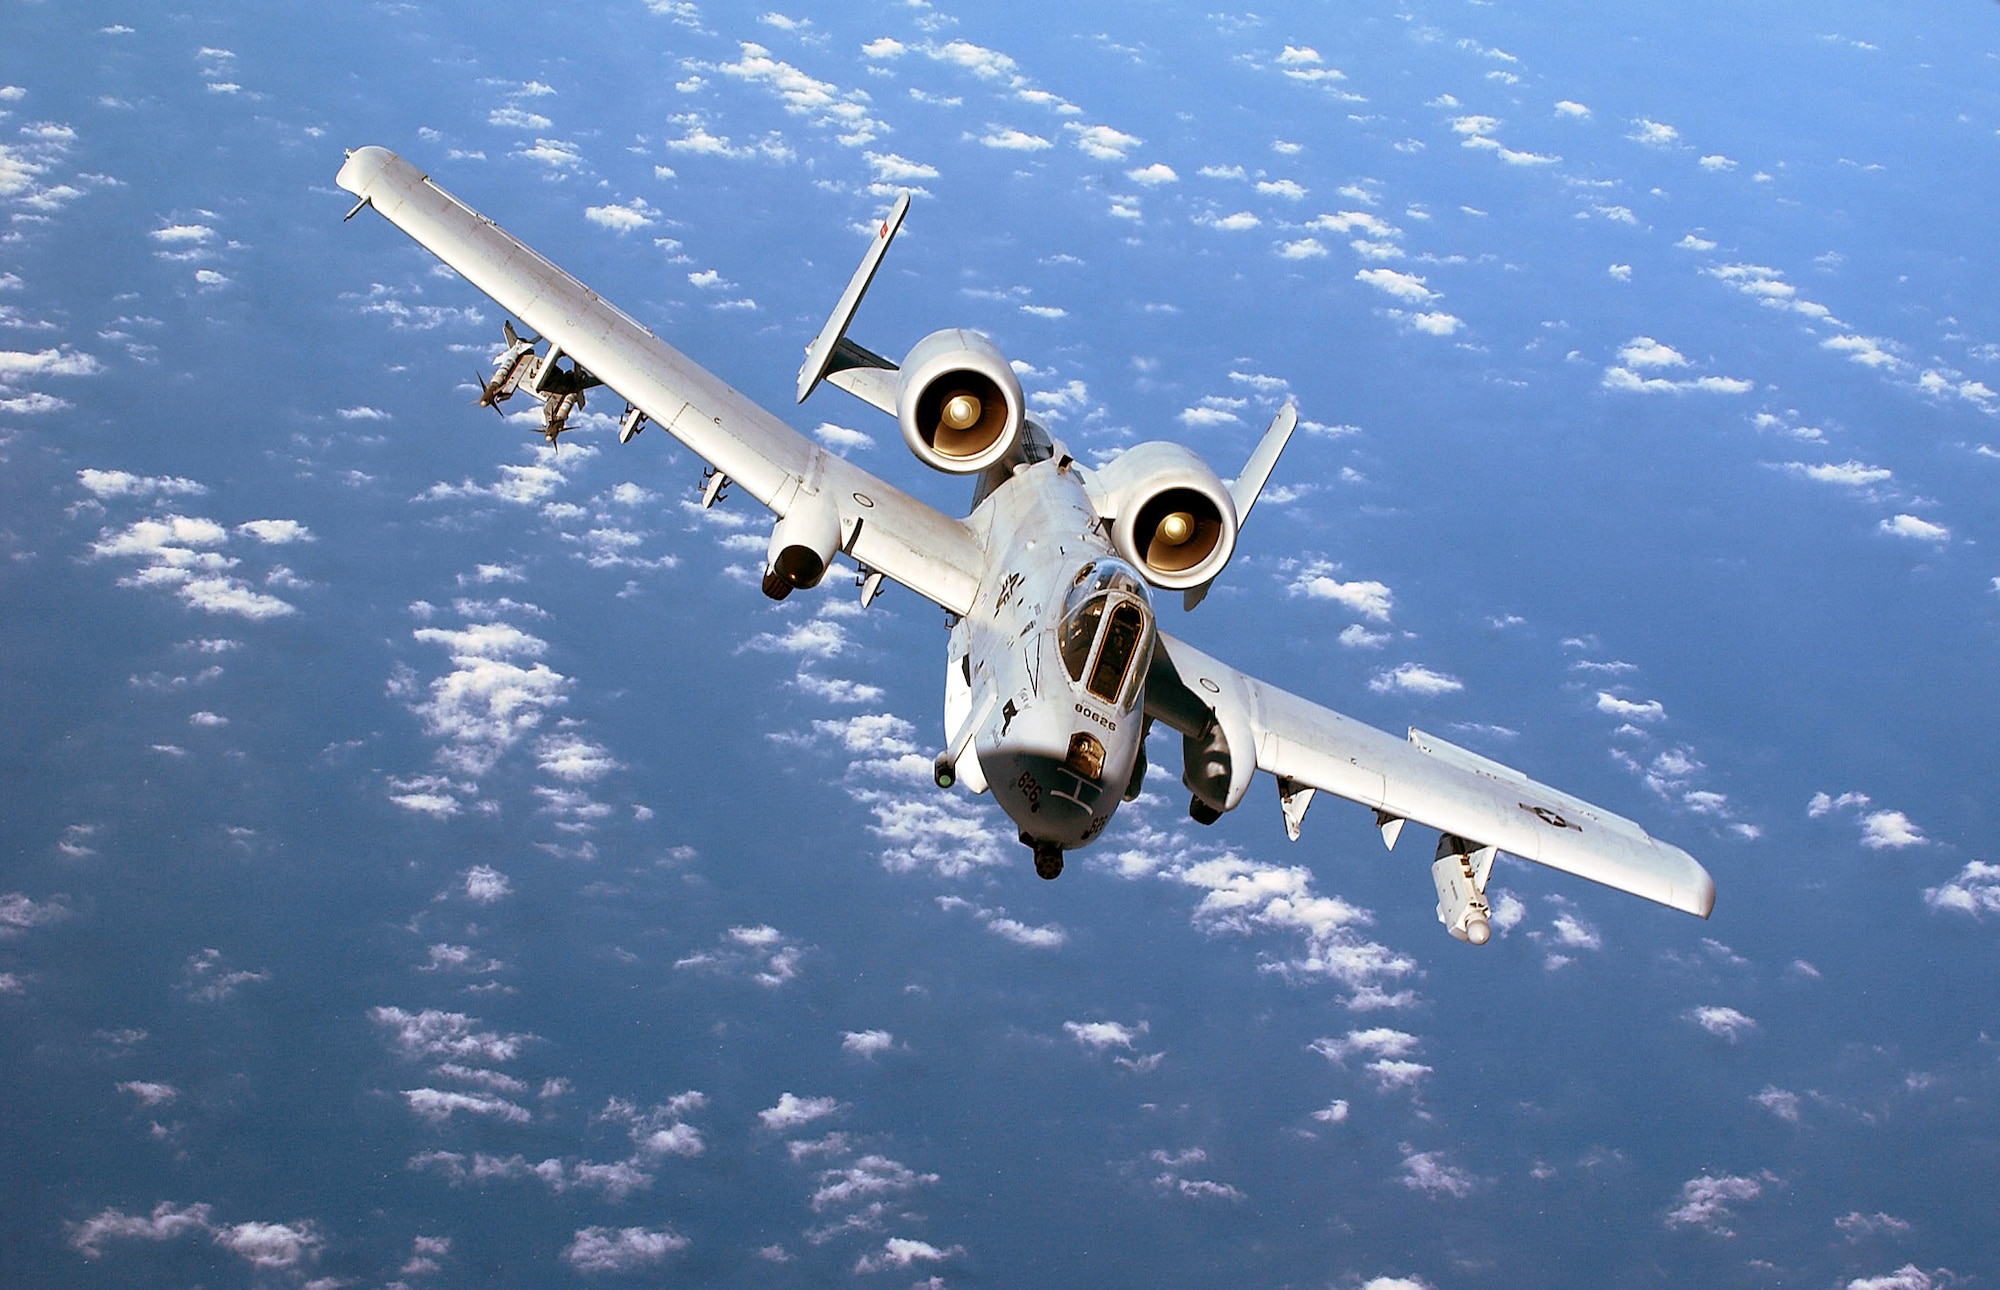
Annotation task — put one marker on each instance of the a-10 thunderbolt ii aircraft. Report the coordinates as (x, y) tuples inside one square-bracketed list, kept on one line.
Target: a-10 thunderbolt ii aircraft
[(1056, 665)]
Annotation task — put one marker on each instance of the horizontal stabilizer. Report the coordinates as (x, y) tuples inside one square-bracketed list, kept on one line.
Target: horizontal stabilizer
[(865, 374), (1249, 484), (1257, 471), (820, 354)]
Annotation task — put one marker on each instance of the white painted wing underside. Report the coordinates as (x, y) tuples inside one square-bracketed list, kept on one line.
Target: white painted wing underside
[(1447, 788), (930, 553)]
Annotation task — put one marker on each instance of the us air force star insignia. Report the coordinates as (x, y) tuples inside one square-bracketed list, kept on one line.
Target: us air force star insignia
[(1551, 818)]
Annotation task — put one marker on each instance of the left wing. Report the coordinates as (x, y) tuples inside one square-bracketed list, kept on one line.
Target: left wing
[(1423, 779), (881, 527)]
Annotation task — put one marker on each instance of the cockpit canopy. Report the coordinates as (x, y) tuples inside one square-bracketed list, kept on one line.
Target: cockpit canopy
[(1107, 631)]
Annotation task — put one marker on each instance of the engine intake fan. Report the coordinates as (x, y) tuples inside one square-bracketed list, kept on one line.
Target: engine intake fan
[(959, 405), (1170, 515)]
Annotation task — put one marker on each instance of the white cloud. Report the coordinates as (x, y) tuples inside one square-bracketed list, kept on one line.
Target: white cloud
[(901, 1252), (1975, 891), (553, 153), (1414, 678), (621, 1250), (1306, 248), (793, 1111), (1821, 804), (1848, 474), (1204, 417), (1723, 1023), (1356, 221), (1653, 134), (485, 884), (891, 168), (488, 701), (1102, 142), (1705, 1201), (276, 532), (1907, 1277), (1629, 709), (1865, 350), (439, 1105), (1368, 598), (1779, 1102), (166, 1222), (1100, 1035), (1334, 1112), (622, 219), (884, 47), (1013, 140), (1355, 636), (1437, 324), (867, 1043), (1570, 107), (271, 1245), (1644, 351), (844, 112), (987, 64), (1236, 223), (1693, 243), (1910, 526), (1570, 932), (518, 119), (1716, 161), (1403, 286), (870, 1176), (1037, 938), (18, 912), (696, 139), (1890, 830), (574, 759), (836, 689), (16, 364), (183, 234), (1285, 188), (1377, 1041), (150, 1094), (434, 1033), (107, 484), (1426, 1171)]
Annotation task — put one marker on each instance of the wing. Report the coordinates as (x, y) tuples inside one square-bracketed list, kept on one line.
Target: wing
[(887, 530), (1423, 779)]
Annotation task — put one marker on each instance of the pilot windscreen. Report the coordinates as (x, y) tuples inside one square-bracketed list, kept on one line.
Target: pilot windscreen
[(1121, 641), (1079, 631)]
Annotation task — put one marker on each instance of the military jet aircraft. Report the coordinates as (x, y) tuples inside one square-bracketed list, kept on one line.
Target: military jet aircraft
[(1056, 666)]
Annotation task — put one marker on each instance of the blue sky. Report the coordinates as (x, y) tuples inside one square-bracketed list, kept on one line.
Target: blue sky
[(432, 860)]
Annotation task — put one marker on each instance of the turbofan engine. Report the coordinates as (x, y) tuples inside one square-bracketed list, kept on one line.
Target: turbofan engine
[(959, 403), (1170, 515)]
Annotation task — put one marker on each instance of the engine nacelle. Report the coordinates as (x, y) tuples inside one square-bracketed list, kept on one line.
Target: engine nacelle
[(959, 403), (1171, 517), (803, 544), (1459, 873)]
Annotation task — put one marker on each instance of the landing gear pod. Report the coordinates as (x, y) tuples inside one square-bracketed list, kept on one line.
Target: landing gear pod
[(1460, 872), (803, 544)]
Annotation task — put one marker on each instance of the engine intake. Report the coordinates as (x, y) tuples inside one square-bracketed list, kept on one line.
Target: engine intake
[(959, 405), (1170, 515)]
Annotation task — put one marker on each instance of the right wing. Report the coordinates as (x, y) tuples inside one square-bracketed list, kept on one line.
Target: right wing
[(1424, 779), (883, 528)]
